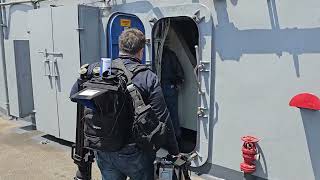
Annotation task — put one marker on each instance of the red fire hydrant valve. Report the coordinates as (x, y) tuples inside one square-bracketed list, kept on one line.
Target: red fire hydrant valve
[(249, 152)]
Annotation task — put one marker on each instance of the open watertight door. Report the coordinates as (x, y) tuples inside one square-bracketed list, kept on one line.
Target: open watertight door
[(181, 18), (201, 68), (118, 22)]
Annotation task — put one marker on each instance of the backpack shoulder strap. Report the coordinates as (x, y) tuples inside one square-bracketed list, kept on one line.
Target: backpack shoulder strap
[(118, 65), (130, 72), (136, 68)]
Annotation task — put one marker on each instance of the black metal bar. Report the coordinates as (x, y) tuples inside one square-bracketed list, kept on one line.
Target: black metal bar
[(81, 156)]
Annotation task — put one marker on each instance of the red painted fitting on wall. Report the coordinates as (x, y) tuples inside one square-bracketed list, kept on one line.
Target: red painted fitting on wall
[(306, 101), (249, 152)]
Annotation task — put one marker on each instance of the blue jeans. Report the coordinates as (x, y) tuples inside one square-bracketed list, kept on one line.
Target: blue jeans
[(170, 94), (130, 161)]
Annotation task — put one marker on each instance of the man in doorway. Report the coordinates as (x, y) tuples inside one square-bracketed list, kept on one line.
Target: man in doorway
[(172, 78)]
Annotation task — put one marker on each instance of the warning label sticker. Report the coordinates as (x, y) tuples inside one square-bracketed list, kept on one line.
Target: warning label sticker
[(125, 22)]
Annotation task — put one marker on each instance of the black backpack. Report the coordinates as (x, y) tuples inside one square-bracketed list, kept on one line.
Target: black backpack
[(147, 131), (107, 114), (117, 111)]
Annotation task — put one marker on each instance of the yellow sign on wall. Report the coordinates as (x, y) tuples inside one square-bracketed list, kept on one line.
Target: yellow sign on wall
[(125, 22)]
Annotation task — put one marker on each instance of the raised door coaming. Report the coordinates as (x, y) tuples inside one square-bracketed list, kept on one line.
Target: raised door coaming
[(44, 87)]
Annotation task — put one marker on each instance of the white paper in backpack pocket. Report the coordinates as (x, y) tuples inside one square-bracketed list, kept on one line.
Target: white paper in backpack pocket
[(89, 92)]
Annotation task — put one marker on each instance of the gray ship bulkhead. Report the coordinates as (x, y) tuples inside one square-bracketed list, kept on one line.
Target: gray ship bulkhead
[(254, 56)]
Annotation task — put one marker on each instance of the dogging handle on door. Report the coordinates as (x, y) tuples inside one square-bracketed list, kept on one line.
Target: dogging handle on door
[(46, 66), (196, 70)]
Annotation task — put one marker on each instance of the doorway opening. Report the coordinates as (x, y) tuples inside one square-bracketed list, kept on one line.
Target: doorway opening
[(174, 60)]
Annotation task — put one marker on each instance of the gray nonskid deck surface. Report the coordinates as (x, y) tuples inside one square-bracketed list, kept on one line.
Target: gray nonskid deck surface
[(25, 154)]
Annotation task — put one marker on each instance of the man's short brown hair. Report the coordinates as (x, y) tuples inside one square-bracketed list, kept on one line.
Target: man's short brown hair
[(131, 41)]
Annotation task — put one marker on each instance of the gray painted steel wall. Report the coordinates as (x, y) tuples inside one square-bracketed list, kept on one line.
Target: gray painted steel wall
[(4, 106), (16, 29), (2, 90), (265, 53)]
